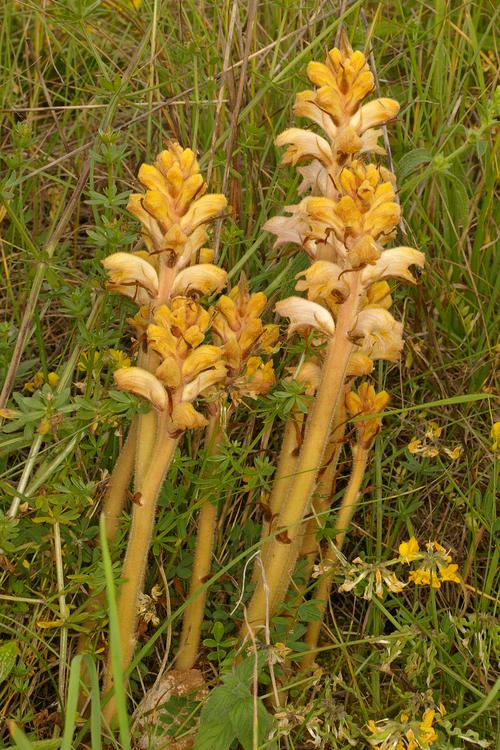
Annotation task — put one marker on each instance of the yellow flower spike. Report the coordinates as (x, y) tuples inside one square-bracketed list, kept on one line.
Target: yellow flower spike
[(409, 551), (142, 383)]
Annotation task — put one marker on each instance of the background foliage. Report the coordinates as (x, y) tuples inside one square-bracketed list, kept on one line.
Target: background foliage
[(89, 91)]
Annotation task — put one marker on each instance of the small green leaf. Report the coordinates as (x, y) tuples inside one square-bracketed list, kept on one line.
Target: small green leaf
[(8, 656), (411, 161), (309, 612)]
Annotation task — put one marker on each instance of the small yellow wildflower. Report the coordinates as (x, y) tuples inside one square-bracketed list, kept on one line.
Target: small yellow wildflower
[(409, 550), (118, 358), (436, 566), (495, 434), (404, 734), (415, 446), (455, 453), (36, 383), (433, 431), (53, 379)]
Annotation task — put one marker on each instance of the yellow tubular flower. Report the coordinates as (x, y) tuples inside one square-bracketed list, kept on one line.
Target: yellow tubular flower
[(131, 275), (366, 403), (142, 383), (304, 314)]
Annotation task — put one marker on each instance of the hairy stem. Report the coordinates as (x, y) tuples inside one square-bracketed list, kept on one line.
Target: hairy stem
[(134, 566), (285, 470), (345, 514), (207, 522), (322, 500), (280, 562), (119, 482), (146, 439)]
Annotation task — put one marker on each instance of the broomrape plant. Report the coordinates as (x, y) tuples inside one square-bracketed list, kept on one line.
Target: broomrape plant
[(344, 223), (176, 367), (198, 360)]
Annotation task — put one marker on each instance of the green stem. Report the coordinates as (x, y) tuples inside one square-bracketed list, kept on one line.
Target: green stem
[(280, 563), (134, 566)]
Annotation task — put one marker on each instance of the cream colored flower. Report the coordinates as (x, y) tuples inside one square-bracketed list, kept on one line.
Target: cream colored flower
[(324, 281), (381, 335), (394, 264), (203, 278), (304, 144), (130, 274), (142, 383), (305, 314)]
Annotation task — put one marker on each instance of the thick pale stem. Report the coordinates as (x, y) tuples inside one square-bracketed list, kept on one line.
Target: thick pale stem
[(134, 566), (280, 563), (345, 514), (119, 482), (146, 439), (112, 509), (321, 501), (193, 614), (282, 480)]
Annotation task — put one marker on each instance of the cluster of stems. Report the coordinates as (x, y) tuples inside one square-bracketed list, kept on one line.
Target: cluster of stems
[(199, 354)]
